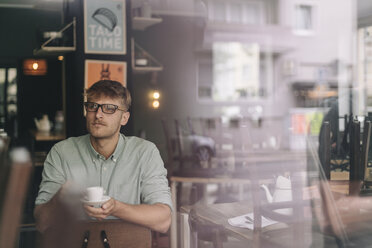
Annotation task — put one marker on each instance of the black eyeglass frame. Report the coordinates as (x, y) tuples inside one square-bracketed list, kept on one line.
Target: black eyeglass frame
[(101, 106)]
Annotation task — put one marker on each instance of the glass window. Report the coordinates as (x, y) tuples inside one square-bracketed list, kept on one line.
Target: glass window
[(235, 71), (236, 13), (12, 75), (2, 75), (304, 17), (219, 11), (252, 13)]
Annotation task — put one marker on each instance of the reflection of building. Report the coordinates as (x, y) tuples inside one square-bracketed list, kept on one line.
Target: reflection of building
[(305, 54)]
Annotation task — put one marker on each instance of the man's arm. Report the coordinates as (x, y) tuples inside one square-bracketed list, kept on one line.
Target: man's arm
[(156, 216)]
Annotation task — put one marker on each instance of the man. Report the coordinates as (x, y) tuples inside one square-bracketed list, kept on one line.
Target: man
[(129, 169)]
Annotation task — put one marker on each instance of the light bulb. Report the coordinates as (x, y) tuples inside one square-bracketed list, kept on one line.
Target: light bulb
[(156, 95), (155, 104), (35, 65)]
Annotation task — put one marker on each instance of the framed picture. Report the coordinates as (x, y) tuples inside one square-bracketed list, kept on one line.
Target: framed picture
[(105, 26), (96, 70)]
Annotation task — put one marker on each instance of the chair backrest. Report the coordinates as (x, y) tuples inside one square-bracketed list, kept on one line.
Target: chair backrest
[(325, 148), (355, 166), (365, 148), (16, 188), (290, 211), (4, 166), (180, 143), (324, 209), (170, 149), (92, 234)]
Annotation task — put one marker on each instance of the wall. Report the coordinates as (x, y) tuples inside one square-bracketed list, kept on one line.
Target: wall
[(19, 29)]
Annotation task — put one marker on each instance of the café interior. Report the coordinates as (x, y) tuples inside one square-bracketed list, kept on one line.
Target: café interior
[(261, 111)]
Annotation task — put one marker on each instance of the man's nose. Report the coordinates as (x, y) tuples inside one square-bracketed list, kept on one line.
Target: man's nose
[(99, 112)]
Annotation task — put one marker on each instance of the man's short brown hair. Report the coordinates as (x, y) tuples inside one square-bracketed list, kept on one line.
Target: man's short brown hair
[(112, 89)]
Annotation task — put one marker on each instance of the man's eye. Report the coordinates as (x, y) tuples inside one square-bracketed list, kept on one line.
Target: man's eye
[(110, 107)]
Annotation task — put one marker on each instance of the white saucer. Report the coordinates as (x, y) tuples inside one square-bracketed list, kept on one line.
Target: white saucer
[(96, 204)]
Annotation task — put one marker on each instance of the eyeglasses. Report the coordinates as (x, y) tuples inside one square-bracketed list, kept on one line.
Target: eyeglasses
[(106, 108)]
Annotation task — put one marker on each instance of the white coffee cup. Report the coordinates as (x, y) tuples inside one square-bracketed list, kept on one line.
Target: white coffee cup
[(94, 193)]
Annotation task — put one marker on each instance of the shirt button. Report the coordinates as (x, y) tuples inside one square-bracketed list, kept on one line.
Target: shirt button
[(104, 168)]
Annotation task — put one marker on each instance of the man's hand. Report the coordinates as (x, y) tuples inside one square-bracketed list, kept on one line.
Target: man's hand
[(155, 216), (104, 211)]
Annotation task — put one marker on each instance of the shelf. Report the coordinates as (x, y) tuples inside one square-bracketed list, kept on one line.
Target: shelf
[(46, 49), (150, 64), (146, 69), (141, 23)]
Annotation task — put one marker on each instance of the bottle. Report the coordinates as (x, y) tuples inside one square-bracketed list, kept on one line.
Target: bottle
[(59, 120)]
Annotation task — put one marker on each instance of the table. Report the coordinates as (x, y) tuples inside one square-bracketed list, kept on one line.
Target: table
[(282, 160), (49, 138), (218, 215), (176, 180)]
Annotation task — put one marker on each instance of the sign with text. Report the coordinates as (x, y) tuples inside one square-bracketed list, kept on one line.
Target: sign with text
[(105, 26)]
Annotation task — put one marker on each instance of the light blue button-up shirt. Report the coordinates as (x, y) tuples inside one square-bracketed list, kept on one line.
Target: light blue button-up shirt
[(133, 174)]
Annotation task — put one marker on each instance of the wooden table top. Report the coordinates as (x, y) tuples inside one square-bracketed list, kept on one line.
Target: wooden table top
[(47, 136)]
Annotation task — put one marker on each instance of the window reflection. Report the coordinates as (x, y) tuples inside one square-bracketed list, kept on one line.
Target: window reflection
[(304, 19), (234, 71)]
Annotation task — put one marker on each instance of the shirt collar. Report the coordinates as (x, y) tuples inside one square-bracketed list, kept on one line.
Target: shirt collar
[(119, 148)]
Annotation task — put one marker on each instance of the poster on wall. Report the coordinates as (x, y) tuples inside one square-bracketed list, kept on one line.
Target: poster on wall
[(96, 70), (105, 26)]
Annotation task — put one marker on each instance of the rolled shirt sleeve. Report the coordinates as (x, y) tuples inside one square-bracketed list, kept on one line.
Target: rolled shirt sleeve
[(155, 187), (52, 177)]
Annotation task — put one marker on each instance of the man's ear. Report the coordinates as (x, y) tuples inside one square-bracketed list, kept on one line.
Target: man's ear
[(124, 118)]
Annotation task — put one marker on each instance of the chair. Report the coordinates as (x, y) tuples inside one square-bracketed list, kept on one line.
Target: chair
[(19, 172), (296, 220), (92, 234), (355, 158), (325, 148), (345, 226), (365, 149), (177, 158)]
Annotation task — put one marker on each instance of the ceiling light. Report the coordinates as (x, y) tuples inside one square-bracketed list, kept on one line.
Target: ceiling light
[(156, 95), (34, 67)]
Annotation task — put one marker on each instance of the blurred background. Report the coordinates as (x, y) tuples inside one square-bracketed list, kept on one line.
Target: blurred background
[(234, 93)]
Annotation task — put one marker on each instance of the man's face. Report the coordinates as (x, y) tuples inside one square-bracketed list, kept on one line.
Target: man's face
[(101, 125)]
